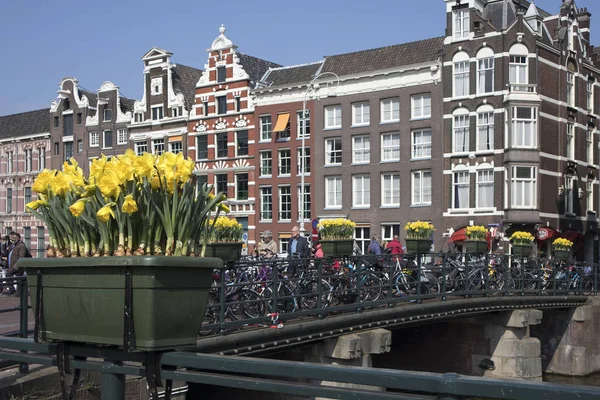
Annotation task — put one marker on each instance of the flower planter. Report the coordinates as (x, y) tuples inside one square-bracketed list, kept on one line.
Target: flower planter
[(337, 247), (476, 246), (83, 299), (225, 251), (418, 245), (521, 250), (562, 254)]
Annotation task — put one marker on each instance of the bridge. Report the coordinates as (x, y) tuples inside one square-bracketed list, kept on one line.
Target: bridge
[(345, 310)]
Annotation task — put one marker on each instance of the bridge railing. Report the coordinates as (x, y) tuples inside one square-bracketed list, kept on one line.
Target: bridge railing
[(268, 293)]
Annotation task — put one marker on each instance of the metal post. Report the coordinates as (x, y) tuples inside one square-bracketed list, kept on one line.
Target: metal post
[(113, 385), (23, 288), (222, 300)]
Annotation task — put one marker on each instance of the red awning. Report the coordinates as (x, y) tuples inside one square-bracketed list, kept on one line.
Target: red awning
[(572, 235), (458, 235)]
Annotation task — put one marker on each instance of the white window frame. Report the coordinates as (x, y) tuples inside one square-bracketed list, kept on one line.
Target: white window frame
[(28, 159), (390, 110), (420, 106), (461, 185), (280, 158), (460, 78), (104, 114), (361, 149), (485, 129), (94, 139), (390, 151), (570, 144), (590, 146), (156, 144), (41, 158), (176, 147), (390, 190), (142, 144), (300, 121), (333, 117), (334, 199), (569, 195), (361, 113), (306, 206), (517, 140), (361, 191), (331, 151), (484, 181), (590, 96), (9, 162), (159, 115), (263, 159), (485, 70), (461, 133), (266, 135), (570, 86), (421, 144), (236, 176), (518, 67), (121, 136), (282, 197), (420, 191), (461, 24), (104, 139), (590, 196), (266, 199), (389, 230), (303, 153), (529, 188)]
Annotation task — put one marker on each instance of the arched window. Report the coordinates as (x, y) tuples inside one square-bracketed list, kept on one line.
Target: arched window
[(485, 70), (460, 74), (571, 71), (460, 131), (518, 67), (460, 187)]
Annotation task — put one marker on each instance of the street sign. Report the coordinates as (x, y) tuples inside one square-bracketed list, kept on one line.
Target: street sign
[(315, 235), (315, 223), (245, 237)]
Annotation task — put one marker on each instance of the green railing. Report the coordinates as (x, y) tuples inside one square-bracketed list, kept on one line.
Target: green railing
[(19, 284)]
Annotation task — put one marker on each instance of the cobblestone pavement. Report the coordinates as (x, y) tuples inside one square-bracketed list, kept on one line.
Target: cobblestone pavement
[(9, 321)]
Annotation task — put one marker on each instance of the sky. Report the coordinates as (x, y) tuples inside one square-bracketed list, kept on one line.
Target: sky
[(94, 41)]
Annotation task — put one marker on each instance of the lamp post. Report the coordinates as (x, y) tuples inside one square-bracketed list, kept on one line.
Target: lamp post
[(331, 85)]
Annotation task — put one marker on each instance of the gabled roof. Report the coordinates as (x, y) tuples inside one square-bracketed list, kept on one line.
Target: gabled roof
[(184, 82), (126, 104), (91, 96), (26, 123), (294, 74), (255, 67), (385, 57)]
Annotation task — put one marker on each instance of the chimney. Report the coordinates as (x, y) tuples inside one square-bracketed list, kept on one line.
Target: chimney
[(584, 21)]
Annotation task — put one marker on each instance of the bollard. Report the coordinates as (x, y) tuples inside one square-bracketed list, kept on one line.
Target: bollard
[(23, 311)]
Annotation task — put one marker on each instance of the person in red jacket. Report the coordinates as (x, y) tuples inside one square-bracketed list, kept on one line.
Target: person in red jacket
[(395, 246)]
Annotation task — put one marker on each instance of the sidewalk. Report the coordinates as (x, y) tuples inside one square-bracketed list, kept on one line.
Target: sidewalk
[(9, 321)]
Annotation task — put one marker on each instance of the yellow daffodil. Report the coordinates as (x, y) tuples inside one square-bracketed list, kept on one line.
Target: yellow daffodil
[(34, 205), (106, 212), (97, 167), (129, 205), (77, 208), (43, 181)]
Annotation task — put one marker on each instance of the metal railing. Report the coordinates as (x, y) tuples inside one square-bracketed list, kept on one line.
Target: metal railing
[(19, 285)]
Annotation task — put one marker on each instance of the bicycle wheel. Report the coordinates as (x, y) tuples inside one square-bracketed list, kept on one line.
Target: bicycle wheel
[(286, 300), (211, 314), (371, 288), (587, 285), (406, 285), (308, 294), (245, 304)]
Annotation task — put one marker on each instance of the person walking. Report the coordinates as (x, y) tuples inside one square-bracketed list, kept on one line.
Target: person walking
[(395, 246), (374, 246), (267, 249), (17, 251), (297, 247)]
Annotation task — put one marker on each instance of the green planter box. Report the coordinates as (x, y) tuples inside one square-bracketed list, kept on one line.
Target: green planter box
[(418, 245), (339, 247), (83, 299), (521, 250), (562, 254), (225, 251), (476, 246)]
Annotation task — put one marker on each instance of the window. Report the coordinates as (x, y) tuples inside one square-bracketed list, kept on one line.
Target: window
[(362, 237), (139, 117), (238, 103), (590, 146), (79, 118), (517, 70), (266, 203), (523, 187), (333, 151), (27, 194), (8, 229), (283, 134), (390, 190), (68, 150), (158, 146), (94, 139), (306, 206), (176, 147), (388, 231), (524, 127), (28, 159), (590, 96), (485, 131), (333, 192), (122, 136), (461, 24), (156, 86), (333, 117), (570, 89), (221, 104), (56, 122), (285, 162), (421, 106), (80, 146), (242, 143), (56, 148), (460, 190), (461, 78), (221, 74), (201, 180), (460, 140), (141, 148), (570, 147), (361, 149), (157, 113), (361, 114), (27, 236), (68, 125), (421, 188), (283, 244), (41, 158), (421, 144), (361, 191), (222, 145), (266, 163), (485, 188), (221, 183), (9, 162), (205, 107), (303, 123), (107, 114), (285, 203), (590, 195), (108, 140), (390, 110), (569, 194), (9, 200), (241, 186), (485, 75), (202, 147), (41, 241), (176, 112), (390, 147), (265, 127), (304, 160)]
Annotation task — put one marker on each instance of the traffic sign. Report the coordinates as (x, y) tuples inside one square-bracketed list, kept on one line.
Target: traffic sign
[(315, 223), (245, 237), (315, 235)]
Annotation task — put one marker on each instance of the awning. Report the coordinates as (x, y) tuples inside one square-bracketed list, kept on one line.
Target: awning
[(282, 122), (572, 235), (545, 233), (458, 235), (175, 138)]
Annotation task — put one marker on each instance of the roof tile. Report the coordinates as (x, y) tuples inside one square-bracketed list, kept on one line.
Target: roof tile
[(26, 123)]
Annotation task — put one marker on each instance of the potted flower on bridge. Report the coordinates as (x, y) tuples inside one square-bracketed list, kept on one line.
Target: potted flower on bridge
[(224, 239), (476, 239), (562, 248), (126, 237), (521, 242), (418, 236), (337, 237)]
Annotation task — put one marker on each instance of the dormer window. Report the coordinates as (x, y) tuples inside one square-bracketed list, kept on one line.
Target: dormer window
[(461, 23), (156, 86)]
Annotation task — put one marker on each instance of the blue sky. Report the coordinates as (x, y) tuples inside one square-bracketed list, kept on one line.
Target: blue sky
[(94, 41)]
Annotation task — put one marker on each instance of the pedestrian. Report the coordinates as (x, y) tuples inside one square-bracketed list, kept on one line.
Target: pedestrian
[(374, 246), (395, 246), (267, 248), (297, 247), (17, 251)]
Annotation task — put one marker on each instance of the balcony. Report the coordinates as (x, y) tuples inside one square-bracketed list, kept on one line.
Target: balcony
[(522, 92)]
